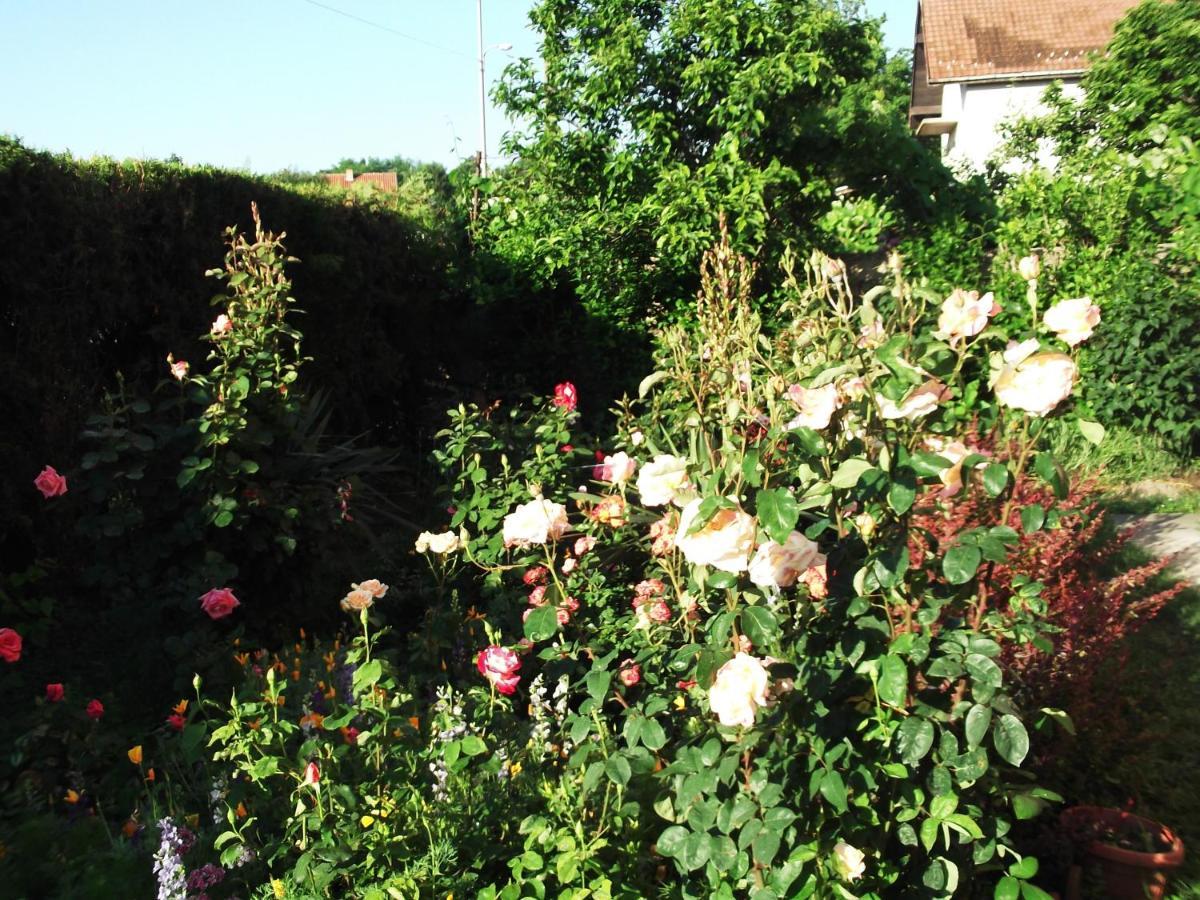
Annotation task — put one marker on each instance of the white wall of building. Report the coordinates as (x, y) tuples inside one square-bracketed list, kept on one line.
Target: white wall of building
[(979, 108)]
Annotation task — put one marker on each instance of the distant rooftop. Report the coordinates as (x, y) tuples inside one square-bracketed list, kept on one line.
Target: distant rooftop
[(384, 181), (978, 40)]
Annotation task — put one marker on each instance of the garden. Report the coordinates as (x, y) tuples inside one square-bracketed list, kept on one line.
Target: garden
[(721, 500)]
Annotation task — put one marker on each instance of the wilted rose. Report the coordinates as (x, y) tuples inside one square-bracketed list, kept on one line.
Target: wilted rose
[(1030, 267), (965, 314), (920, 402), (1038, 384), (779, 565), (816, 579), (50, 483), (535, 522), (739, 689), (10, 645), (499, 665), (630, 673), (816, 406), (219, 602), (1073, 320), (724, 542), (850, 862), (662, 481)]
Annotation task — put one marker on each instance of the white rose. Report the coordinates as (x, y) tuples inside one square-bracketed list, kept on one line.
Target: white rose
[(535, 522), (816, 405), (739, 690), (956, 452), (779, 565), (850, 861), (446, 542), (1030, 267), (660, 482), (919, 402), (1038, 384), (618, 468), (965, 314), (1073, 320), (724, 542), (1015, 353)]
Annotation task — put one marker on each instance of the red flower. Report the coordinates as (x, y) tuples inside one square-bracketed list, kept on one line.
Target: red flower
[(565, 396), (10, 645), (54, 692), (219, 602), (95, 710), (51, 484), (499, 665), (176, 721), (312, 775), (351, 735), (566, 448)]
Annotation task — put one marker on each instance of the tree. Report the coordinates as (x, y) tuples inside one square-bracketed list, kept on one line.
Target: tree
[(645, 119)]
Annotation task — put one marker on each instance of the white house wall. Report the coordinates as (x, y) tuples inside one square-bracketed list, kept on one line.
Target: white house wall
[(979, 108)]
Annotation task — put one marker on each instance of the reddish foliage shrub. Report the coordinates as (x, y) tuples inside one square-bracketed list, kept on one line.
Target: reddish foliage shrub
[(1093, 607)]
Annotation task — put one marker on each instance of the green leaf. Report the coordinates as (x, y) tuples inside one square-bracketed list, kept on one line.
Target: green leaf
[(1026, 807), (778, 513), (849, 472), (653, 735), (978, 720), (914, 738), (366, 675), (473, 745), (542, 623), (1052, 473), (995, 479), (650, 381), (1010, 739), (1007, 888), (833, 789), (223, 518), (759, 625), (723, 852), (1092, 431), (984, 671), (961, 563), (893, 680), (929, 833), (903, 491), (1033, 892), (671, 841), (1032, 518), (598, 681), (695, 851), (618, 769)]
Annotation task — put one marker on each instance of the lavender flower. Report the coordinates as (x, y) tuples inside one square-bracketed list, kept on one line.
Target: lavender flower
[(168, 862)]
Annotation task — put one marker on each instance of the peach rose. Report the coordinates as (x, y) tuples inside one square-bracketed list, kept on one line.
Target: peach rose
[(357, 600), (816, 579), (221, 326), (373, 586), (965, 314), (816, 406), (219, 602), (724, 542), (1073, 320), (50, 483), (779, 565), (920, 401), (663, 481), (535, 522), (739, 689), (1037, 384), (955, 452), (10, 645), (441, 544)]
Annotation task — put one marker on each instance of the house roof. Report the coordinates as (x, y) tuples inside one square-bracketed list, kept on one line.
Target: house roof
[(981, 40), (384, 181)]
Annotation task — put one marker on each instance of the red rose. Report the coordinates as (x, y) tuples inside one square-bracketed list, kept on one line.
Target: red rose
[(54, 693), (176, 721), (95, 710), (499, 665), (50, 483), (565, 396), (219, 602), (10, 645)]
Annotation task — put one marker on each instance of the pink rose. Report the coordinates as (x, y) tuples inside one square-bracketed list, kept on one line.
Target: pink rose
[(536, 575), (10, 645), (219, 602), (50, 483), (537, 597), (95, 710), (569, 565), (221, 326), (617, 469), (584, 544), (179, 368), (964, 315), (660, 612), (312, 775), (55, 692), (565, 396), (630, 673), (563, 615), (499, 665)]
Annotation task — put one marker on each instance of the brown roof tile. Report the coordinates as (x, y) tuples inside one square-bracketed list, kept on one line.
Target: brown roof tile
[(982, 39), (384, 181)]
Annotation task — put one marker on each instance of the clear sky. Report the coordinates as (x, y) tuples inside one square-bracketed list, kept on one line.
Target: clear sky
[(266, 84)]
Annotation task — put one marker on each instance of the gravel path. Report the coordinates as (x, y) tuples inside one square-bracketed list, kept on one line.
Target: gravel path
[(1164, 534)]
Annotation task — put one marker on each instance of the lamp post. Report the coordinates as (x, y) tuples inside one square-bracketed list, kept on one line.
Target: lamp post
[(483, 165)]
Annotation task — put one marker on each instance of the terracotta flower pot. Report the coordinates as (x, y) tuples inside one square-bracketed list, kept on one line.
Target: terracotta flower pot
[(1131, 874)]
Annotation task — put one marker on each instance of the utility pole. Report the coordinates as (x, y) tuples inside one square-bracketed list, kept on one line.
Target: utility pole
[(483, 165)]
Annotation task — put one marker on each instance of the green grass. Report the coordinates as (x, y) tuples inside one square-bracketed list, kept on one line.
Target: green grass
[(1124, 456)]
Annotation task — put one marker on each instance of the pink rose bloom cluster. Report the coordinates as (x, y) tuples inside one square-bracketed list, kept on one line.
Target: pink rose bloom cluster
[(649, 603), (50, 483), (499, 665), (219, 603)]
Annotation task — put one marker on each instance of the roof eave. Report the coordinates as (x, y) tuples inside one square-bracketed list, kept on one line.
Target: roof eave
[(1006, 77)]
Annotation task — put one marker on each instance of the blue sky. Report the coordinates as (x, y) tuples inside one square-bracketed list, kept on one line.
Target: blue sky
[(265, 84)]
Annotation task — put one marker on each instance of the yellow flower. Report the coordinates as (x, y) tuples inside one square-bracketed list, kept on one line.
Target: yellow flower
[(367, 821), (278, 889), (135, 755), (515, 769), (680, 702)]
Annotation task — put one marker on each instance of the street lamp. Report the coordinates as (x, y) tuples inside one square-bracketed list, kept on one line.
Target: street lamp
[(483, 166)]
